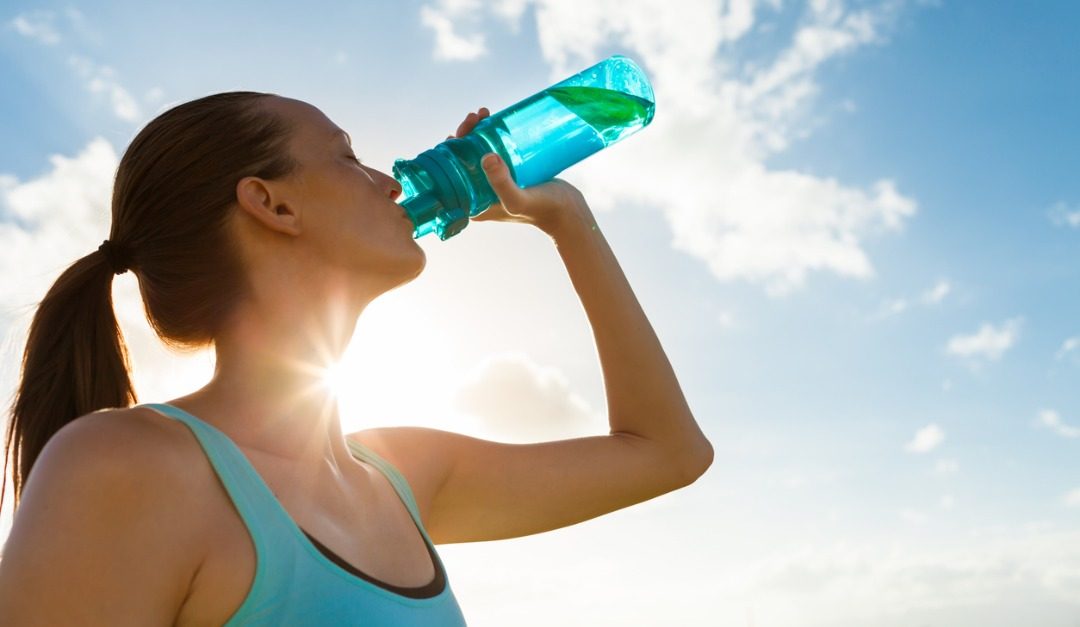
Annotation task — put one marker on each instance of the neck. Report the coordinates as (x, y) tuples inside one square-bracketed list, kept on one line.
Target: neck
[(268, 392)]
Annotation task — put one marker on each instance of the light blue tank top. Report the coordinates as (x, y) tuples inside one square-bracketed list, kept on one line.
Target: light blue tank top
[(295, 584)]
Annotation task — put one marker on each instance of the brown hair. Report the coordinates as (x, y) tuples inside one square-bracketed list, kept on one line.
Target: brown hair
[(173, 196)]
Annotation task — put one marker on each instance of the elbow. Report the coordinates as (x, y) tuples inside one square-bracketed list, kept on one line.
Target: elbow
[(697, 460)]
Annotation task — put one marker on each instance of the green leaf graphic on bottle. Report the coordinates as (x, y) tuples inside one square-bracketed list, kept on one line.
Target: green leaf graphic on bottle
[(611, 113)]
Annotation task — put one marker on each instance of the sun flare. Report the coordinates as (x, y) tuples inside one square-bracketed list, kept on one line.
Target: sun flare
[(389, 375), (333, 379)]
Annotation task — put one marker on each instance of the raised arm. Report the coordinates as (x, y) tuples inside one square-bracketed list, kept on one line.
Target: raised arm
[(644, 399), (470, 489)]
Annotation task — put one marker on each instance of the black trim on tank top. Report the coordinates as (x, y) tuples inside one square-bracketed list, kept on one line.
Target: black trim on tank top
[(434, 588)]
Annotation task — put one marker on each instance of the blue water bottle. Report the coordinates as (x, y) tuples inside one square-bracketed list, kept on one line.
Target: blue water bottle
[(537, 138)]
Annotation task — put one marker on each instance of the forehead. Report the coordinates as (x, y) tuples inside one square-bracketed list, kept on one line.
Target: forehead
[(309, 123)]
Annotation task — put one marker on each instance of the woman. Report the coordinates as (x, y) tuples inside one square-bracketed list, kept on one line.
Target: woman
[(253, 228)]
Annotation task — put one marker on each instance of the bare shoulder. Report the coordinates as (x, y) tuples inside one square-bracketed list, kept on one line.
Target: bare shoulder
[(124, 454), (107, 488), (140, 432), (135, 446)]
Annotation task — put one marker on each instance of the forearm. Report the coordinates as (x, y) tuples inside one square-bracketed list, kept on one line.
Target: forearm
[(643, 395)]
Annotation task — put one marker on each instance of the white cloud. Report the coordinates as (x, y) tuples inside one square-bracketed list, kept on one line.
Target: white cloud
[(989, 342), (449, 46), (926, 439), (937, 293), (98, 79), (52, 220), (946, 466), (725, 320), (1061, 215), (828, 33), (914, 517), (37, 25), (516, 398), (511, 11), (1072, 498), (154, 95), (947, 501), (1052, 420), (79, 24), (43, 27), (1068, 346), (46, 224), (101, 79), (715, 126), (892, 307), (991, 579), (928, 298)]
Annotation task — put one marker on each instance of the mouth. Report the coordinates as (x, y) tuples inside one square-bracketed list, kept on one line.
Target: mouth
[(408, 220)]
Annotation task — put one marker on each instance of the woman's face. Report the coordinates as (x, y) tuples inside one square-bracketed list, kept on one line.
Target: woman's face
[(347, 210)]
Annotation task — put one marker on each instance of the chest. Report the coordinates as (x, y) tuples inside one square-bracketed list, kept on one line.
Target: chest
[(373, 532)]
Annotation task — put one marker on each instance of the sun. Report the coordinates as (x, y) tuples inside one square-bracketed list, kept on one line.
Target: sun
[(390, 375), (334, 379)]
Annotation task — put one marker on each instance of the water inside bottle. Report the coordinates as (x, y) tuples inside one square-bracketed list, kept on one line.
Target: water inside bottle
[(538, 138), (563, 125)]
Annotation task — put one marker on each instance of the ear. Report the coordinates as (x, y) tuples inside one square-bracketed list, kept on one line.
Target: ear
[(261, 200)]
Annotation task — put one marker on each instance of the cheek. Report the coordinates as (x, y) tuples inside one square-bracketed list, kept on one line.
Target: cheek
[(352, 212), (347, 208)]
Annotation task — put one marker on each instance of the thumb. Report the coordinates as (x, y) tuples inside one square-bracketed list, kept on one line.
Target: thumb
[(498, 176)]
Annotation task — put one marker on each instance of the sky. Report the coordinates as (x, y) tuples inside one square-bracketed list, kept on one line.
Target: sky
[(853, 226)]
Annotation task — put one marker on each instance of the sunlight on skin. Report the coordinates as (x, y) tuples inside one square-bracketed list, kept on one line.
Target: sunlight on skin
[(389, 375)]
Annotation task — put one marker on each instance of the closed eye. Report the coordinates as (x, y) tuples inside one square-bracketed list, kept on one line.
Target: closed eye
[(353, 157)]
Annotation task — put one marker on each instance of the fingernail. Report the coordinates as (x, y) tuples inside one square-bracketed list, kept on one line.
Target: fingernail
[(490, 160)]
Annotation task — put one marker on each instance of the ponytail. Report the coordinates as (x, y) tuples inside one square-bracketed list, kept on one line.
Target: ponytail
[(75, 362), (173, 199)]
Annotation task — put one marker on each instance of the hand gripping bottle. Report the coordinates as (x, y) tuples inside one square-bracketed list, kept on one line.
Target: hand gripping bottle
[(537, 138)]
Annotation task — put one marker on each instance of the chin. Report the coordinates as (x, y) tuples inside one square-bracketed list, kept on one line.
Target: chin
[(413, 269), (423, 262), (416, 273)]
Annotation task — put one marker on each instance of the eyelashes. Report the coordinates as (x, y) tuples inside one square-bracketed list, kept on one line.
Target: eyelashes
[(354, 158)]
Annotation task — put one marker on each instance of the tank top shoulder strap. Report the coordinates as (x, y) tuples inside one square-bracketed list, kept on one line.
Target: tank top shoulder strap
[(250, 494), (397, 480), (252, 497)]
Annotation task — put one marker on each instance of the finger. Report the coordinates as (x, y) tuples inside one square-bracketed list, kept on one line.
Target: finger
[(501, 182), (483, 113), (467, 125)]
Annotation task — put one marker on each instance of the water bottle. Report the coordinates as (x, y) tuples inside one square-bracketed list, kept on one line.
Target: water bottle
[(537, 138)]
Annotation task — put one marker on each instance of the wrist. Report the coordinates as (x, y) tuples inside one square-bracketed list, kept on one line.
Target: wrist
[(570, 224)]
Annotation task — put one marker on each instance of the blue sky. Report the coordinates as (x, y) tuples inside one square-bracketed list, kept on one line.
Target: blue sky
[(853, 226)]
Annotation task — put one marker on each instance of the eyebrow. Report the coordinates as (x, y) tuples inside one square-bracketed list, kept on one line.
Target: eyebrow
[(340, 132)]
